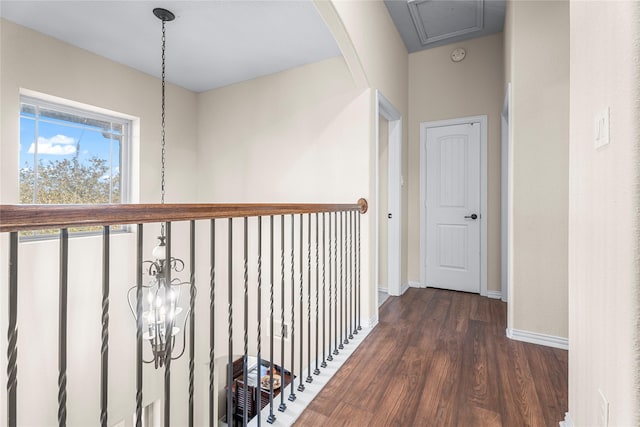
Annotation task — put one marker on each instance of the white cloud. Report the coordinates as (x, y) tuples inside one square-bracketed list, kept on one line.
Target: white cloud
[(59, 145)]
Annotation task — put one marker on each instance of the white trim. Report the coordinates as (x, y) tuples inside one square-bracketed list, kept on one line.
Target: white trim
[(297, 407), (405, 287), (536, 338), (372, 322), (414, 284), (482, 120), (494, 294), (382, 289), (384, 108), (568, 422), (505, 199)]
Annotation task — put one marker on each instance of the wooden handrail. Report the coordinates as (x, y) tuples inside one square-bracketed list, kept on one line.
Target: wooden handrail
[(37, 217)]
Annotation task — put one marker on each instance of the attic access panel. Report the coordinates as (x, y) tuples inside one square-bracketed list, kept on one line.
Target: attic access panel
[(437, 20)]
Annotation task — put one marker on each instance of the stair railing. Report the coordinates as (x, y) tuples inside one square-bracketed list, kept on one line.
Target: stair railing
[(317, 279)]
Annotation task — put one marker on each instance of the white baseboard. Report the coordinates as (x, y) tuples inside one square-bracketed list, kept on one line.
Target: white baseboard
[(494, 294), (414, 284), (303, 399), (567, 421), (371, 323), (536, 338), (383, 288), (404, 288)]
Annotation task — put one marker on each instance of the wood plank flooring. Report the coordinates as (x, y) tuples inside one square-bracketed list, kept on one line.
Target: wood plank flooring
[(441, 358)]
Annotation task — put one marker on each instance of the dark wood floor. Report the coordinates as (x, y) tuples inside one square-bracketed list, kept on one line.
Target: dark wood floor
[(441, 358)]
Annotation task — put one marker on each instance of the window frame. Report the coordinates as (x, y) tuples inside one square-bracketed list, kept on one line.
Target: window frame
[(94, 113)]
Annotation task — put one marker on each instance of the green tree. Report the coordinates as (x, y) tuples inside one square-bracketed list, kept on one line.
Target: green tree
[(68, 181)]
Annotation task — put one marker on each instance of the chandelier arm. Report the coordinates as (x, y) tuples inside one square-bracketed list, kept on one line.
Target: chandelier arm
[(129, 300), (153, 269), (129, 297), (177, 264), (184, 335)]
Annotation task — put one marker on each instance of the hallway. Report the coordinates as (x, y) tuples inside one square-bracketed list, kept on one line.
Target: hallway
[(441, 358)]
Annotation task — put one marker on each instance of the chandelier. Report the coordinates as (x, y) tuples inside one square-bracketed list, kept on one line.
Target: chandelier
[(161, 305)]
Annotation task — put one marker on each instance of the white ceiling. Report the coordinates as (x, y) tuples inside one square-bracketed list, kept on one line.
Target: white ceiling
[(209, 45)]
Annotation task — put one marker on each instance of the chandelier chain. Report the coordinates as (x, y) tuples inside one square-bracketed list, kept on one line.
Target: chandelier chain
[(163, 156)]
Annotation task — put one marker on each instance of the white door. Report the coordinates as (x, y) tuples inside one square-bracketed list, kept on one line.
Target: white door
[(453, 207)]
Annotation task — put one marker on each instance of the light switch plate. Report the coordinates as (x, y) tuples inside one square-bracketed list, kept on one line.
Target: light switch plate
[(601, 128)]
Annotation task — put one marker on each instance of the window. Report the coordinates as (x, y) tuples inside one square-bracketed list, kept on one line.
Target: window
[(71, 156)]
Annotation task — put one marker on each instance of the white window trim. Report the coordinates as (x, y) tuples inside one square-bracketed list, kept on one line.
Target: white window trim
[(130, 152)]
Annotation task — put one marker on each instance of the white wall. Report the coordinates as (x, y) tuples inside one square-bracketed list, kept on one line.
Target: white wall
[(30, 60), (291, 136), (443, 89), (603, 213), (537, 51), (383, 61)]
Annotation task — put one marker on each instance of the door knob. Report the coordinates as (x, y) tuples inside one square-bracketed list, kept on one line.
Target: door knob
[(472, 216)]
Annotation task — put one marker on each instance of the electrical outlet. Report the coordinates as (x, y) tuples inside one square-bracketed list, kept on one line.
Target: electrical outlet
[(603, 413), (278, 332)]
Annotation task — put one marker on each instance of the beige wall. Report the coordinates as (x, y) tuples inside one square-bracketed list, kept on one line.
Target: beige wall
[(292, 136), (302, 135), (30, 60), (603, 213), (442, 89), (538, 48), (384, 61)]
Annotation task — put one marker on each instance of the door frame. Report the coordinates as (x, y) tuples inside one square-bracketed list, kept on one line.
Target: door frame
[(505, 195), (424, 126), (384, 108)]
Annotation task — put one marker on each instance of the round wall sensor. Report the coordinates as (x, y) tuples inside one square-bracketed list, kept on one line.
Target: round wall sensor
[(458, 54)]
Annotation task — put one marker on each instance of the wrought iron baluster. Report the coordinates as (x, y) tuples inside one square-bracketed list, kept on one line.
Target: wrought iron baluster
[(341, 346), (335, 273), (271, 418), (309, 377), (230, 323), (346, 277), (292, 395), (316, 371), (329, 355), (245, 357), (169, 344), (301, 385), (351, 310), (192, 316), (358, 217), (12, 333), (259, 393), (139, 328), (104, 347), (212, 322), (62, 328), (324, 293), (282, 406)]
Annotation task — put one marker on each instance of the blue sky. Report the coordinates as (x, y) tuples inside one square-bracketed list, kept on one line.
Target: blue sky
[(58, 139)]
